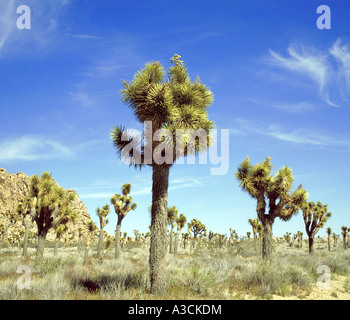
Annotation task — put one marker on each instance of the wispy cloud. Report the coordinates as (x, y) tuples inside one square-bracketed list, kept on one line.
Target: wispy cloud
[(42, 37), (299, 136), (7, 25), (309, 63), (138, 190), (341, 52), (31, 148)]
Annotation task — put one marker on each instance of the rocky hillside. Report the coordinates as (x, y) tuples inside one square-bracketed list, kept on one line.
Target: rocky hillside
[(14, 187)]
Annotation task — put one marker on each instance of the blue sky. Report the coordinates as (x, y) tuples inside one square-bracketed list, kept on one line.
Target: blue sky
[(281, 86)]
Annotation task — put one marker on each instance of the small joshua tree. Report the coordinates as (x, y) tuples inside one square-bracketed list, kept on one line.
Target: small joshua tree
[(300, 239), (60, 230), (197, 228), (122, 206), (274, 191), (11, 217), (24, 209), (344, 233), (90, 230), (52, 207), (329, 233), (171, 219), (180, 223), (315, 216), (102, 214)]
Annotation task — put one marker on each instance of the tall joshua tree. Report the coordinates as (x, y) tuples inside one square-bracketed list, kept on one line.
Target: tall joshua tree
[(180, 223), (52, 207), (102, 215), (315, 216), (172, 108), (171, 219), (274, 191), (122, 205)]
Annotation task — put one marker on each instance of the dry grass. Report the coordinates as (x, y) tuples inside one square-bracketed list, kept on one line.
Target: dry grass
[(236, 272)]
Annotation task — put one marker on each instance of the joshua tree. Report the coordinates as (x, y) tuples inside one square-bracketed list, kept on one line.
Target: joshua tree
[(344, 233), (171, 219), (24, 209), (91, 228), (288, 238), (11, 217), (196, 228), (60, 230), (329, 233), (180, 223), (315, 216), (122, 206), (172, 109), (300, 239), (335, 238), (102, 214), (272, 190), (248, 235), (52, 207), (185, 237)]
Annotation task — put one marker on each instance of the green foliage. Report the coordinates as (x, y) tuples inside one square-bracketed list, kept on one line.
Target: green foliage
[(196, 227), (274, 190), (170, 100), (52, 203), (123, 203), (315, 216)]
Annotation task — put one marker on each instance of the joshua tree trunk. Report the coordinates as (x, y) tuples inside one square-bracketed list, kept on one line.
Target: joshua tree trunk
[(158, 229), (267, 239), (100, 244), (41, 246), (27, 225), (329, 243), (117, 240), (311, 244)]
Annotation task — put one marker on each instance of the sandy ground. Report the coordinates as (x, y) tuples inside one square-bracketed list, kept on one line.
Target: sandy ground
[(336, 291)]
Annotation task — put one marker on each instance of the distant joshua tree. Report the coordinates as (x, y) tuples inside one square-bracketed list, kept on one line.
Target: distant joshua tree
[(344, 233), (102, 214), (91, 228), (52, 207), (197, 228), (315, 216), (122, 206), (24, 209), (171, 219), (254, 224), (274, 191), (180, 223), (329, 233)]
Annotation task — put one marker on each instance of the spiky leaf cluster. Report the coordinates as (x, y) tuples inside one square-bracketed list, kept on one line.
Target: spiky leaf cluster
[(52, 203), (172, 101), (196, 227), (315, 216), (274, 190), (123, 202)]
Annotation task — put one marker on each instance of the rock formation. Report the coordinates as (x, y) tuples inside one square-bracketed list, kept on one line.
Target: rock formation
[(14, 187)]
